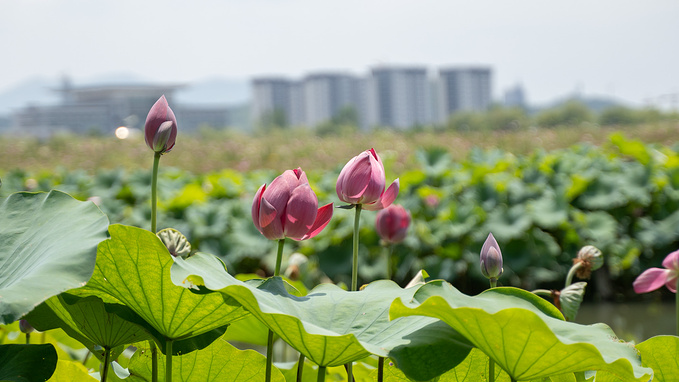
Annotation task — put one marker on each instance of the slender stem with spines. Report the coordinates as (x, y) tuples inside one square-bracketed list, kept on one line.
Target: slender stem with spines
[(300, 367), (104, 372), (321, 374), (154, 362), (154, 191), (571, 273), (269, 341), (491, 363), (168, 361)]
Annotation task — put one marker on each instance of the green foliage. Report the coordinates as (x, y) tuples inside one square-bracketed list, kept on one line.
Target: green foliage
[(27, 363), (571, 113), (497, 118), (659, 353)]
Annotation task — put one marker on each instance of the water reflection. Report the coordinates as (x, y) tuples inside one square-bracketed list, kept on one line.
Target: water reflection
[(632, 321)]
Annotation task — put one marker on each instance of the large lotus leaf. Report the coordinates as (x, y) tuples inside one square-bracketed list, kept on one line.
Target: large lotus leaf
[(48, 244), (218, 362), (133, 269), (87, 318), (27, 363), (661, 353), (71, 371), (514, 328), (331, 326)]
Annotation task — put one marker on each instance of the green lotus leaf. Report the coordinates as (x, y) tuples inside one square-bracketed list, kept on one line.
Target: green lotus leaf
[(660, 354), (517, 331), (27, 363), (133, 269), (71, 371), (218, 362), (331, 326), (48, 244), (89, 320)]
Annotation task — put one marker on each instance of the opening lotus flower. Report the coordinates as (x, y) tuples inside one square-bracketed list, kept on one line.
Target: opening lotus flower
[(654, 278), (362, 181), (392, 223), (160, 130), (289, 208)]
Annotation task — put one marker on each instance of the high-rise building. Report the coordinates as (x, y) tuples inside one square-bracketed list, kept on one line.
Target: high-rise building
[(325, 95), (399, 97), (464, 89), (515, 97), (276, 100)]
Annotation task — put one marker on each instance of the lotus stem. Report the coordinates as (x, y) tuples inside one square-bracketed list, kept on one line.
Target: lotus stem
[(154, 362), (676, 296), (321, 374), (491, 363), (542, 292), (354, 266), (279, 257), (104, 371), (168, 361), (571, 273), (300, 367), (28, 338), (269, 356), (380, 369), (390, 254), (154, 191)]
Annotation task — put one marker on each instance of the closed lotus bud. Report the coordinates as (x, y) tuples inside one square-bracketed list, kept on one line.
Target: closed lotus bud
[(289, 208), (491, 258), (160, 130), (392, 223), (25, 327), (590, 259), (362, 181)]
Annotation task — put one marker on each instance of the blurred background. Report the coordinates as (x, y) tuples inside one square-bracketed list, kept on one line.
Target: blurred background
[(550, 125)]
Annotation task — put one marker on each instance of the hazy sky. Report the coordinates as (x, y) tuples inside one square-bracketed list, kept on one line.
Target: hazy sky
[(623, 48)]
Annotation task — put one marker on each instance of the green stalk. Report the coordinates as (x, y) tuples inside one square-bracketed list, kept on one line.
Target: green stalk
[(154, 361), (28, 338), (269, 341), (321, 374), (154, 189), (571, 273), (168, 360), (300, 367), (491, 363), (390, 254), (542, 292), (677, 305), (380, 369), (104, 372), (354, 266)]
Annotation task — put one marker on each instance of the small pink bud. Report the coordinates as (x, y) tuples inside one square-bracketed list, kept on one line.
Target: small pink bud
[(25, 327), (392, 223), (160, 130), (491, 258)]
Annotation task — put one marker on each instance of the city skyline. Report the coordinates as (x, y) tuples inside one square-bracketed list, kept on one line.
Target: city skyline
[(617, 48)]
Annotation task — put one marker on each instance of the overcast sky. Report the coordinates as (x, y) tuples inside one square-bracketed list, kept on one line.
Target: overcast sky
[(623, 48)]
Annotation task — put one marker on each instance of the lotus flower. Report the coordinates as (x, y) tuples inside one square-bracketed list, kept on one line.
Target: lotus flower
[(654, 278), (392, 223), (160, 130), (491, 258), (289, 208), (361, 181)]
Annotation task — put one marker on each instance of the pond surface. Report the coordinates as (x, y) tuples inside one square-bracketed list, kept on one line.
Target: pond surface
[(631, 321)]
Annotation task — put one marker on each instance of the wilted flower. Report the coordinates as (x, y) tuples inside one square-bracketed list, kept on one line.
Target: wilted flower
[(289, 208), (590, 259), (160, 130), (392, 223), (491, 258), (570, 299), (362, 181), (654, 278)]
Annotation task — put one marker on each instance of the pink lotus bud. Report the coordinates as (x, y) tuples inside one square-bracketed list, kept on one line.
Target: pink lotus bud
[(491, 258), (160, 130), (392, 223), (289, 208), (361, 181), (25, 327)]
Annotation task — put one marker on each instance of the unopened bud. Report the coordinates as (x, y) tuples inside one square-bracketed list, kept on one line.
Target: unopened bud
[(25, 327), (491, 258)]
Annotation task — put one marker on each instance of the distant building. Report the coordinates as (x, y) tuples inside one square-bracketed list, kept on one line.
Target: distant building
[(276, 101), (399, 97), (464, 89), (515, 97), (100, 109), (325, 95)]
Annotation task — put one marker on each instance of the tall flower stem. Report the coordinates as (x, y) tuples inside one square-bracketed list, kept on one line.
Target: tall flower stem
[(300, 367), (491, 363), (154, 190), (380, 369), (354, 264), (390, 255), (571, 273), (168, 361), (154, 361), (104, 372), (269, 341)]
